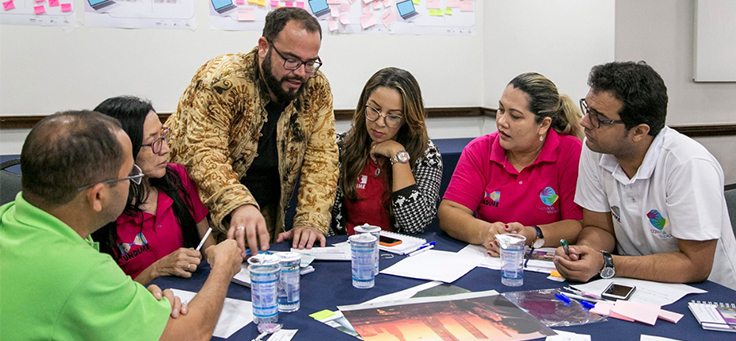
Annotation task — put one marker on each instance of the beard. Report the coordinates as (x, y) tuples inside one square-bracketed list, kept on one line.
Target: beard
[(274, 84)]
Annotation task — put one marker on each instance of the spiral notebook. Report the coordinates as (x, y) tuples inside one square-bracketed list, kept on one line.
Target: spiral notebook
[(408, 243), (714, 315)]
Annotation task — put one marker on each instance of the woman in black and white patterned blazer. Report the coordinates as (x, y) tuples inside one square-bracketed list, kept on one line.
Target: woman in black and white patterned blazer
[(390, 171)]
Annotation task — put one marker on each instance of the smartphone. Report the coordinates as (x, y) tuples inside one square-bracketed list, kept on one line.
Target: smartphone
[(565, 246), (617, 291), (388, 241)]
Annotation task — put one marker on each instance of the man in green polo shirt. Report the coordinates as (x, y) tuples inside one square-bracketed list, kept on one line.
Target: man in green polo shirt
[(54, 284)]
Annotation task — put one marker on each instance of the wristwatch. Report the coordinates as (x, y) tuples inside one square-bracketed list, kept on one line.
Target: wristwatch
[(608, 271), (402, 156), (539, 240)]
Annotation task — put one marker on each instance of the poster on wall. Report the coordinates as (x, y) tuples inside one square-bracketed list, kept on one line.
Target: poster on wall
[(456, 17), (38, 13), (171, 14)]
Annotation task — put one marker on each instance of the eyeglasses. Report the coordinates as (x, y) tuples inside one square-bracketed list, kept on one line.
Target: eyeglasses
[(136, 174), (292, 64), (158, 143), (597, 122), (373, 114)]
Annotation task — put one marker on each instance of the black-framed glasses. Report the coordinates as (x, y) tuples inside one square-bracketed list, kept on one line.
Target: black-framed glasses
[(597, 122), (372, 114), (158, 143), (136, 174), (292, 64)]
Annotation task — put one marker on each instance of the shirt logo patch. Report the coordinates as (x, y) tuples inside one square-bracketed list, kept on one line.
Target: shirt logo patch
[(492, 198), (362, 180), (140, 239), (616, 213), (548, 196), (657, 220)]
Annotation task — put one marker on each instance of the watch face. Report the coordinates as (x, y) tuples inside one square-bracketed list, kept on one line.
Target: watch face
[(538, 243), (403, 156), (607, 273)]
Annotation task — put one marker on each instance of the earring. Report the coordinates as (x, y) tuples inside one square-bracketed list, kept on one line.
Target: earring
[(541, 138)]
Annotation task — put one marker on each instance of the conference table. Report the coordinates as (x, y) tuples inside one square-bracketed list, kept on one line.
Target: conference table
[(330, 285)]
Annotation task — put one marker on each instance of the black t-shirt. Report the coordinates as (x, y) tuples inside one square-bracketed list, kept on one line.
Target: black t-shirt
[(262, 177)]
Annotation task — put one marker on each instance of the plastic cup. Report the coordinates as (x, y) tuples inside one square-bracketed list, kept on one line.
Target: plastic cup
[(264, 279), (512, 259), (289, 281), (376, 232), (362, 247)]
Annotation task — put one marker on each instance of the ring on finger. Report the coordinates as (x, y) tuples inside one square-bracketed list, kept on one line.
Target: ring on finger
[(189, 267), (241, 228)]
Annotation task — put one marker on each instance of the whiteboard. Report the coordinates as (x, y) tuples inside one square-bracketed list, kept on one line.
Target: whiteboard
[(715, 41)]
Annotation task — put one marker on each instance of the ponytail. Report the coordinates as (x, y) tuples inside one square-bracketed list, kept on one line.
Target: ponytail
[(567, 120)]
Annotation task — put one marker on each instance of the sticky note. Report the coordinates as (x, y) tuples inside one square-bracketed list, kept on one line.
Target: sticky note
[(289, 4), (452, 3), (620, 317), (274, 3), (448, 11), (8, 5), (377, 5), (387, 3), (334, 11), (669, 316), (367, 10), (416, 2), (39, 9), (345, 7), (344, 19), (332, 24), (367, 21), (246, 14), (239, 2), (334, 2), (367, 1), (66, 7), (251, 1), (300, 4), (53, 3), (261, 2), (466, 6), (388, 18), (321, 315), (641, 312), (38, 1), (433, 4)]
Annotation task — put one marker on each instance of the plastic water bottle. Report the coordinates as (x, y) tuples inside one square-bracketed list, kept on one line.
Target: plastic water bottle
[(362, 247), (289, 281)]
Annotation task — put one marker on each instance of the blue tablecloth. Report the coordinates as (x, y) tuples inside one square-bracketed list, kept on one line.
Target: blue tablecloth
[(331, 285)]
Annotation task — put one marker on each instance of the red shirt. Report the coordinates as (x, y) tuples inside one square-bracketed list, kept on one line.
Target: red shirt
[(372, 186), (542, 193), (143, 240)]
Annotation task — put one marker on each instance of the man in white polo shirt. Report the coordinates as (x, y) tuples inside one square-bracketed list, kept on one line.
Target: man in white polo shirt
[(647, 191)]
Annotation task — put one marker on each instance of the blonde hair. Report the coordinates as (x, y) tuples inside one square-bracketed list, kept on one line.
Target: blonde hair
[(546, 101)]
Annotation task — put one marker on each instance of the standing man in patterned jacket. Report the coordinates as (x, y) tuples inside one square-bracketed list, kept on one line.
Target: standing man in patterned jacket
[(250, 124)]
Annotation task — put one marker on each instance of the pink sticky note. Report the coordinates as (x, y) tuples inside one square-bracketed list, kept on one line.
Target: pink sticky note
[(344, 19), (66, 7), (274, 3), (240, 2), (620, 317), (332, 24), (334, 11), (38, 1), (366, 10), (300, 4), (466, 6), (452, 3), (289, 4), (53, 3), (434, 4), (377, 5), (246, 14), (641, 312), (367, 21), (602, 308), (669, 316), (334, 2), (367, 1), (388, 18), (39, 9), (387, 3), (8, 5), (345, 7)]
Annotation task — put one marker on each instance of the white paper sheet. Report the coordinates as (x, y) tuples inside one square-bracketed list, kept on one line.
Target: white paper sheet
[(477, 252), (433, 265), (283, 335), (654, 293), (645, 337), (235, 314), (337, 252), (404, 294), (567, 336)]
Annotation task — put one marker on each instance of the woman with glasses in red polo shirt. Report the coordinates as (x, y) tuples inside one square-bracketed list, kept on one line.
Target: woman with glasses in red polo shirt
[(522, 178), (390, 171), (164, 219)]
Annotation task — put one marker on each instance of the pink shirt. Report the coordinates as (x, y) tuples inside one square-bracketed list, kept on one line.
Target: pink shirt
[(143, 240), (486, 182)]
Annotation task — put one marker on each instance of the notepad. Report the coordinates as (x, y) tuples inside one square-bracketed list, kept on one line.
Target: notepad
[(714, 316), (408, 243)]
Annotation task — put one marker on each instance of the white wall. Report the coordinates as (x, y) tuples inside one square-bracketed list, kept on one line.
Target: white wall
[(667, 45)]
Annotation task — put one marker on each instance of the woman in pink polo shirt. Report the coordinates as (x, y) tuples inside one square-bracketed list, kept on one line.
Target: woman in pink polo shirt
[(520, 179), (164, 219), (390, 171)]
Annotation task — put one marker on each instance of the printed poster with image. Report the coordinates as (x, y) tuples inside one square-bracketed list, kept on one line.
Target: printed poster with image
[(456, 17), (168, 14), (38, 13)]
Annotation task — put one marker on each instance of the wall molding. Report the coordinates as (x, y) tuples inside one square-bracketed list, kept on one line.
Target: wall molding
[(702, 130)]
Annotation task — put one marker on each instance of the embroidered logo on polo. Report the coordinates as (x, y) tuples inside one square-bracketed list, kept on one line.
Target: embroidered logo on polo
[(616, 213), (492, 199), (362, 180), (140, 240), (548, 196), (659, 222)]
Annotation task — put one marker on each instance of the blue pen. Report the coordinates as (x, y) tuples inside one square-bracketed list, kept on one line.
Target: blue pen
[(587, 305), (426, 245), (563, 298), (528, 257)]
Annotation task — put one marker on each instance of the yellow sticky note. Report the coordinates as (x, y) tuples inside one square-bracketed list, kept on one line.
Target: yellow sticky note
[(321, 315), (554, 273), (252, 1), (448, 11), (416, 2), (261, 2), (439, 12)]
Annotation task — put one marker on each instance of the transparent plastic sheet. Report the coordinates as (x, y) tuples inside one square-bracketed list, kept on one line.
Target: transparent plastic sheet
[(543, 305)]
